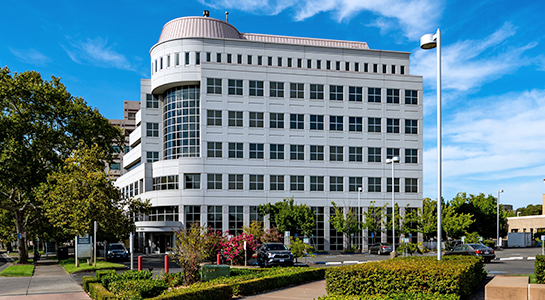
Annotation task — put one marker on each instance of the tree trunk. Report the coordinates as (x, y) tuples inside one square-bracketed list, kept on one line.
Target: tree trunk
[(21, 243)]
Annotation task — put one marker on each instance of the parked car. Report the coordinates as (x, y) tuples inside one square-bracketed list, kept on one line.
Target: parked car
[(475, 250), (117, 251), (381, 248), (274, 254)]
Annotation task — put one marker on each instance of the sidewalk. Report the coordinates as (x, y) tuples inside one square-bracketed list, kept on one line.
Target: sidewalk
[(311, 290), (49, 282)]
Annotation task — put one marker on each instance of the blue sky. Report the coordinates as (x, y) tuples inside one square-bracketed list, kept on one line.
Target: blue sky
[(493, 67)]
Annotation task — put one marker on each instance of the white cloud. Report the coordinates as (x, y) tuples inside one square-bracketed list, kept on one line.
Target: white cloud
[(31, 56), (412, 16), (97, 52)]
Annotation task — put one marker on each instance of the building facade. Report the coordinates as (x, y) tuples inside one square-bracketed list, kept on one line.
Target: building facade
[(231, 120), (127, 124)]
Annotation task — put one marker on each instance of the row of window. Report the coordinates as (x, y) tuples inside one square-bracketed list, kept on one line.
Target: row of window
[(315, 152), (189, 58), (314, 122), (278, 183), (256, 88)]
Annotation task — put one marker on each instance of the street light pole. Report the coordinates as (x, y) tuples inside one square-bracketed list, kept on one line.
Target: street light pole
[(498, 219), (392, 161), (360, 217), (430, 41)]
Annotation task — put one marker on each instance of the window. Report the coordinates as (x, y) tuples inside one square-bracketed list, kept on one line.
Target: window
[(155, 66), (411, 126), (354, 183), (373, 155), (355, 124), (299, 63), (297, 121), (177, 59), (256, 182), (338, 65), (297, 152), (193, 214), (365, 67), (218, 57), (229, 58), (213, 86), (355, 154), (318, 64), (411, 185), (392, 152), (392, 96), (316, 152), (235, 87), (297, 90), (356, 67), (235, 118), (214, 149), (289, 62), (373, 184), (151, 101), (336, 92), (389, 185), (236, 220), (165, 183), (256, 119), (269, 60), (213, 117), (187, 58), (316, 183), (235, 150), (411, 97), (317, 91), (277, 182), (375, 68), (215, 217), (236, 181), (276, 89), (373, 95), (384, 68), (239, 58), (249, 59), (373, 125), (392, 125), (316, 122), (161, 60), (197, 58), (259, 60), (393, 69), (279, 62), (297, 183), (277, 151), (411, 156), (335, 184), (214, 181), (336, 123), (256, 151), (115, 166), (402, 71), (335, 153), (164, 213), (355, 93), (256, 88), (152, 156), (193, 181), (276, 120), (328, 64), (152, 129)]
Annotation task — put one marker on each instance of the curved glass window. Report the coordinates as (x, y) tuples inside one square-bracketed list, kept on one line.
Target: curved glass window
[(181, 117)]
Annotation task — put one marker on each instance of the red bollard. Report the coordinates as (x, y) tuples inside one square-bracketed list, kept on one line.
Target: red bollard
[(166, 264), (218, 259), (140, 263)]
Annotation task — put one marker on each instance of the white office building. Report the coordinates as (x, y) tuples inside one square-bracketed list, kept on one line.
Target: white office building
[(232, 120)]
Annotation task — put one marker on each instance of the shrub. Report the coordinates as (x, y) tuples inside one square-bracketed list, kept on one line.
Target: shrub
[(244, 271), (100, 273), (233, 249), (458, 275), (411, 296), (127, 275), (272, 236), (146, 288), (300, 249), (173, 279), (489, 243), (99, 292), (539, 268), (409, 248), (86, 280), (199, 291)]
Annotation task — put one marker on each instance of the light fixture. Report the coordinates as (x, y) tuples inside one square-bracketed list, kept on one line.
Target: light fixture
[(392, 161), (498, 220)]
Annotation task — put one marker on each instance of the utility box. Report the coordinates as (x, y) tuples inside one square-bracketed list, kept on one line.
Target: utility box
[(209, 272), (519, 239)]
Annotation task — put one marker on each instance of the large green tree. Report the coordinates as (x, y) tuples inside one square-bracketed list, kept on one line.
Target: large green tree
[(373, 219), (483, 210), (289, 216), (455, 224), (346, 223), (40, 125)]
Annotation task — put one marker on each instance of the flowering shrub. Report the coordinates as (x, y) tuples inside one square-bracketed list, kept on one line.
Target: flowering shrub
[(272, 236), (213, 243), (233, 249)]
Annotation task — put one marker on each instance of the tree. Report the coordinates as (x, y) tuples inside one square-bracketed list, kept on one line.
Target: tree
[(347, 224), (483, 210), (190, 249), (455, 224), (80, 192), (290, 217), (428, 213), (530, 210), (40, 125), (373, 218), (412, 221)]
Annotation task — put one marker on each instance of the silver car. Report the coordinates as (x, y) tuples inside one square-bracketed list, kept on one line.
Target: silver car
[(380, 249)]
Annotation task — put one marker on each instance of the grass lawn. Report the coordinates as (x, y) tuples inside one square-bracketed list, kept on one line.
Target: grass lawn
[(532, 277), (70, 267), (18, 271)]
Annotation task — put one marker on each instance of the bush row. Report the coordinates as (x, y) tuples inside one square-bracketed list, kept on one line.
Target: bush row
[(410, 296), (106, 279), (143, 287), (99, 292), (458, 275), (539, 268)]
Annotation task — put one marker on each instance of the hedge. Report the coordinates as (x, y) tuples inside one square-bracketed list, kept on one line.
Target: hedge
[(99, 292), (199, 292), (101, 273), (539, 268), (146, 288), (86, 280), (458, 275), (411, 296), (106, 279)]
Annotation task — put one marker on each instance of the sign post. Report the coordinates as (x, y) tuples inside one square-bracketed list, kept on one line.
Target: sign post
[(542, 245)]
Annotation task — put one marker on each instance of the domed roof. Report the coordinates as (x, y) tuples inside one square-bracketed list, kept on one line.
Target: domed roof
[(198, 27)]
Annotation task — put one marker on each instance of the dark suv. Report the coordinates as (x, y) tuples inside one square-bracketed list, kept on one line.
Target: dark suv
[(117, 251), (274, 254)]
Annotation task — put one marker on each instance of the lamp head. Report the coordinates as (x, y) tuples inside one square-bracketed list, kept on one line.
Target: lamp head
[(428, 41), (395, 158), (388, 160), (500, 191), (360, 189)]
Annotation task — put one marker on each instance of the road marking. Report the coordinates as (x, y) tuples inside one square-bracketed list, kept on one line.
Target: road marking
[(350, 262), (512, 258), (531, 258), (333, 263)]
